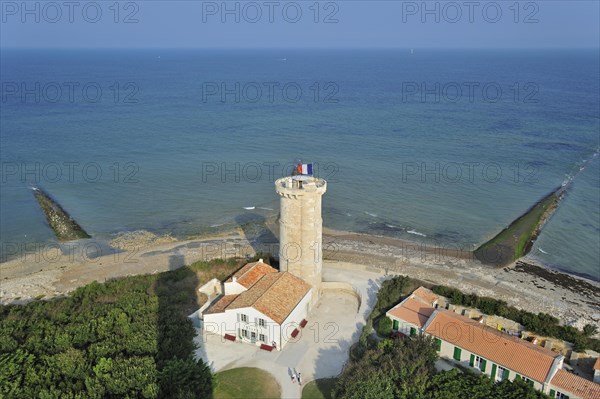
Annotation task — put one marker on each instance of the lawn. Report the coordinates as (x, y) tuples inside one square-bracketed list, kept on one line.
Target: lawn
[(246, 382), (319, 389)]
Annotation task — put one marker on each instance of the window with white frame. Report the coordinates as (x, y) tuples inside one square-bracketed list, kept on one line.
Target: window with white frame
[(262, 337), (560, 395), (262, 322), (500, 373), (253, 335), (477, 363), (243, 318), (245, 333)]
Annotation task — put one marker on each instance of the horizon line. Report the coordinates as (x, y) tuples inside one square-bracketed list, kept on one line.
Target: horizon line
[(292, 48)]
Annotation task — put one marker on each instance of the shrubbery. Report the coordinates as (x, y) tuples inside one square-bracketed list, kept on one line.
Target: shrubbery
[(128, 337), (389, 294), (404, 369), (384, 327), (454, 384)]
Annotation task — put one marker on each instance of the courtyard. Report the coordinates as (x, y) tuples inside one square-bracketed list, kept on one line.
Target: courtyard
[(320, 350)]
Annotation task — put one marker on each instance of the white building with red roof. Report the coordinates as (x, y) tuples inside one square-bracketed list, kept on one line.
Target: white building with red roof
[(566, 385), (497, 354), (410, 315), (259, 305)]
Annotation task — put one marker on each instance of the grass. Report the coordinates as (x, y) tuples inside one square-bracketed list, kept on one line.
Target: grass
[(246, 382), (319, 389)]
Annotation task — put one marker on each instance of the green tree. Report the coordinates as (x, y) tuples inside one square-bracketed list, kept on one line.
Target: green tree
[(185, 378), (394, 368), (385, 326)]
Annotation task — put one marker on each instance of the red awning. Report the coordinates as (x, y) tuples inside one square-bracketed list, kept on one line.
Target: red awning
[(303, 323), (295, 332), (230, 337), (266, 347)]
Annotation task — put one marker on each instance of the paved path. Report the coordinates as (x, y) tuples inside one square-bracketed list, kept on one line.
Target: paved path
[(320, 351)]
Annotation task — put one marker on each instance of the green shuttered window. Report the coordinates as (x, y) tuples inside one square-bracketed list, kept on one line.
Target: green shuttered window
[(493, 375), (472, 360), (457, 352), (483, 362), (438, 344)]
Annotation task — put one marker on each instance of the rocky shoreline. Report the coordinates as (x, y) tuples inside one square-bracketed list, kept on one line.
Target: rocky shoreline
[(574, 300)]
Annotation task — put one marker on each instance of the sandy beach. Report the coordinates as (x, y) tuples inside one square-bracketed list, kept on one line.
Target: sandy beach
[(50, 272)]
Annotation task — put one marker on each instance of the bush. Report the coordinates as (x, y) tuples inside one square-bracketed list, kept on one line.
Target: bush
[(589, 330), (391, 292), (127, 337), (392, 369), (384, 326)]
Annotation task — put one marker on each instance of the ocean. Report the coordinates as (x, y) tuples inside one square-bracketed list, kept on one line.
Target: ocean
[(442, 146)]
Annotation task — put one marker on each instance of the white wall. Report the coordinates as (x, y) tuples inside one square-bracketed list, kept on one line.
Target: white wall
[(234, 288), (296, 316), (230, 322), (447, 351), (403, 325)]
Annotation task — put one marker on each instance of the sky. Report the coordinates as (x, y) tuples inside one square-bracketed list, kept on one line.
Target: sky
[(300, 24)]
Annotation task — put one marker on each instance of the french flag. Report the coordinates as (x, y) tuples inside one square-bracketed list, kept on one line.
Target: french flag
[(305, 168)]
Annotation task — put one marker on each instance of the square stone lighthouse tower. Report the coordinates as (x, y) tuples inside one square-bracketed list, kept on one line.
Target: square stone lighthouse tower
[(301, 228)]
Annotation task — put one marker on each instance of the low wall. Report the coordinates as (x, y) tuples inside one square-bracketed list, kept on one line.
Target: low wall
[(213, 290), (353, 266), (346, 288)]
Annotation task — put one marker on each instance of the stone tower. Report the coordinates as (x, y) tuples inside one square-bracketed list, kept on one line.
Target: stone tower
[(301, 228)]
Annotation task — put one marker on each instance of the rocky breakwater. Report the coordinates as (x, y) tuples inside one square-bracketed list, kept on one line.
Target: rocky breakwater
[(516, 240), (63, 225)]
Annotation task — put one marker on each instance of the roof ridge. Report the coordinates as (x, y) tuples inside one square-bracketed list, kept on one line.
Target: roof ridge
[(277, 277), (501, 334)]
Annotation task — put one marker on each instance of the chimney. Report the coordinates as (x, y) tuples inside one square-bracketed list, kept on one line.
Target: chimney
[(234, 279)]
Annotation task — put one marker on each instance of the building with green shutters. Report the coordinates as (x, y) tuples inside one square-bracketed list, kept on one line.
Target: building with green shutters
[(497, 354)]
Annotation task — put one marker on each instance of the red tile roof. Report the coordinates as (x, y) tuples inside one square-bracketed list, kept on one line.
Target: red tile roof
[(511, 352), (567, 382), (275, 295), (220, 305), (412, 311), (426, 295), (251, 273)]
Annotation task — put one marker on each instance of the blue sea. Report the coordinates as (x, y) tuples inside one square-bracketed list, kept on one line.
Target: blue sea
[(442, 146)]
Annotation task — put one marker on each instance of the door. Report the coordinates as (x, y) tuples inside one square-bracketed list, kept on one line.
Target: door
[(396, 325)]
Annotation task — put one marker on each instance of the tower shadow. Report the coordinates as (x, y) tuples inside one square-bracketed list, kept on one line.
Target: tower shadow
[(179, 373), (258, 233)]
